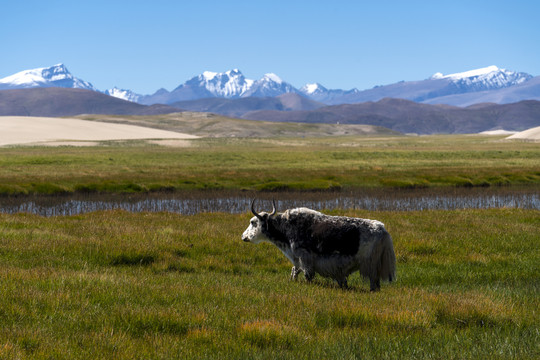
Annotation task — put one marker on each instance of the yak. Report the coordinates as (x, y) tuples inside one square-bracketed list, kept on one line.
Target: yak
[(331, 246)]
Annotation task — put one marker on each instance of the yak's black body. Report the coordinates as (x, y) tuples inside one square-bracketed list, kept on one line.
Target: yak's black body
[(333, 246), (316, 234)]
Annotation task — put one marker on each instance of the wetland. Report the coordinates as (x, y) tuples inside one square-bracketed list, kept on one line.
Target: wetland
[(238, 202)]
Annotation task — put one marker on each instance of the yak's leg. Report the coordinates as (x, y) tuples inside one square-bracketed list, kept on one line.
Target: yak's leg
[(295, 271), (343, 283), (309, 274), (375, 284), (375, 277), (306, 263)]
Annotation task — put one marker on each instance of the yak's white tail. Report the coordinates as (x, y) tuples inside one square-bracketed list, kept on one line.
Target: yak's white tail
[(388, 259)]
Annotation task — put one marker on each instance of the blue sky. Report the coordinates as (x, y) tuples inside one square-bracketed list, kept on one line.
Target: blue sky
[(145, 45)]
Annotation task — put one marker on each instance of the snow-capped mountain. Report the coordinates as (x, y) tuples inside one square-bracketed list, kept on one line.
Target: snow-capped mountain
[(123, 94), (54, 76), (313, 89), (233, 85), (229, 85), (460, 89), (270, 85), (487, 78), (318, 92), (528, 90), (439, 86)]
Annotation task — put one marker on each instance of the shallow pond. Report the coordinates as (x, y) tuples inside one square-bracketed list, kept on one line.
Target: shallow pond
[(239, 202)]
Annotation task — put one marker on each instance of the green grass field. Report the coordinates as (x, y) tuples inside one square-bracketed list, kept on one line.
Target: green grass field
[(325, 163), (117, 285)]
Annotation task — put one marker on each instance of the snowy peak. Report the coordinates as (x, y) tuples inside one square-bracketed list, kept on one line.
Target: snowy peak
[(123, 94), (35, 77), (56, 72), (467, 74), (54, 76), (315, 88), (487, 78), (319, 93), (270, 85), (230, 84), (208, 75), (271, 77)]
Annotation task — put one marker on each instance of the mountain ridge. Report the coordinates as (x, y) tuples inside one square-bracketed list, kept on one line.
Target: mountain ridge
[(231, 84), (240, 106), (58, 101), (400, 115), (411, 117), (488, 84), (53, 76)]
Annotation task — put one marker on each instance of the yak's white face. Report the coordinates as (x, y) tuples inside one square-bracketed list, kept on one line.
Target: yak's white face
[(254, 232)]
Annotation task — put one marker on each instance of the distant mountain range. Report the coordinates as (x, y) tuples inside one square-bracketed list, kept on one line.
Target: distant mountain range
[(489, 84), (406, 106), (441, 89), (437, 89), (396, 114), (228, 85)]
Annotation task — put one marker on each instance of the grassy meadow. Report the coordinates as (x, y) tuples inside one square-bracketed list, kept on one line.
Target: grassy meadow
[(120, 285), (271, 164)]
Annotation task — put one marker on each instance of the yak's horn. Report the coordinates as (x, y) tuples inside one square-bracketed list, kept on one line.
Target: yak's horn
[(273, 208), (253, 210)]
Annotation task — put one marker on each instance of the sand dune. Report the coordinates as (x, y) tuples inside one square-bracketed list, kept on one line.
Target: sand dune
[(497, 132), (29, 130), (530, 134)]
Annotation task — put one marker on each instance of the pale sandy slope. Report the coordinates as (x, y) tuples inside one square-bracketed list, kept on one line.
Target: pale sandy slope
[(27, 130), (530, 134)]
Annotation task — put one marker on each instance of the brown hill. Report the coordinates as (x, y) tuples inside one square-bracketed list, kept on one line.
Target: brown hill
[(411, 117), (68, 102), (239, 107), (399, 115)]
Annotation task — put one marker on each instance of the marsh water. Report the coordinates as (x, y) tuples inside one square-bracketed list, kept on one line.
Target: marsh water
[(239, 202)]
